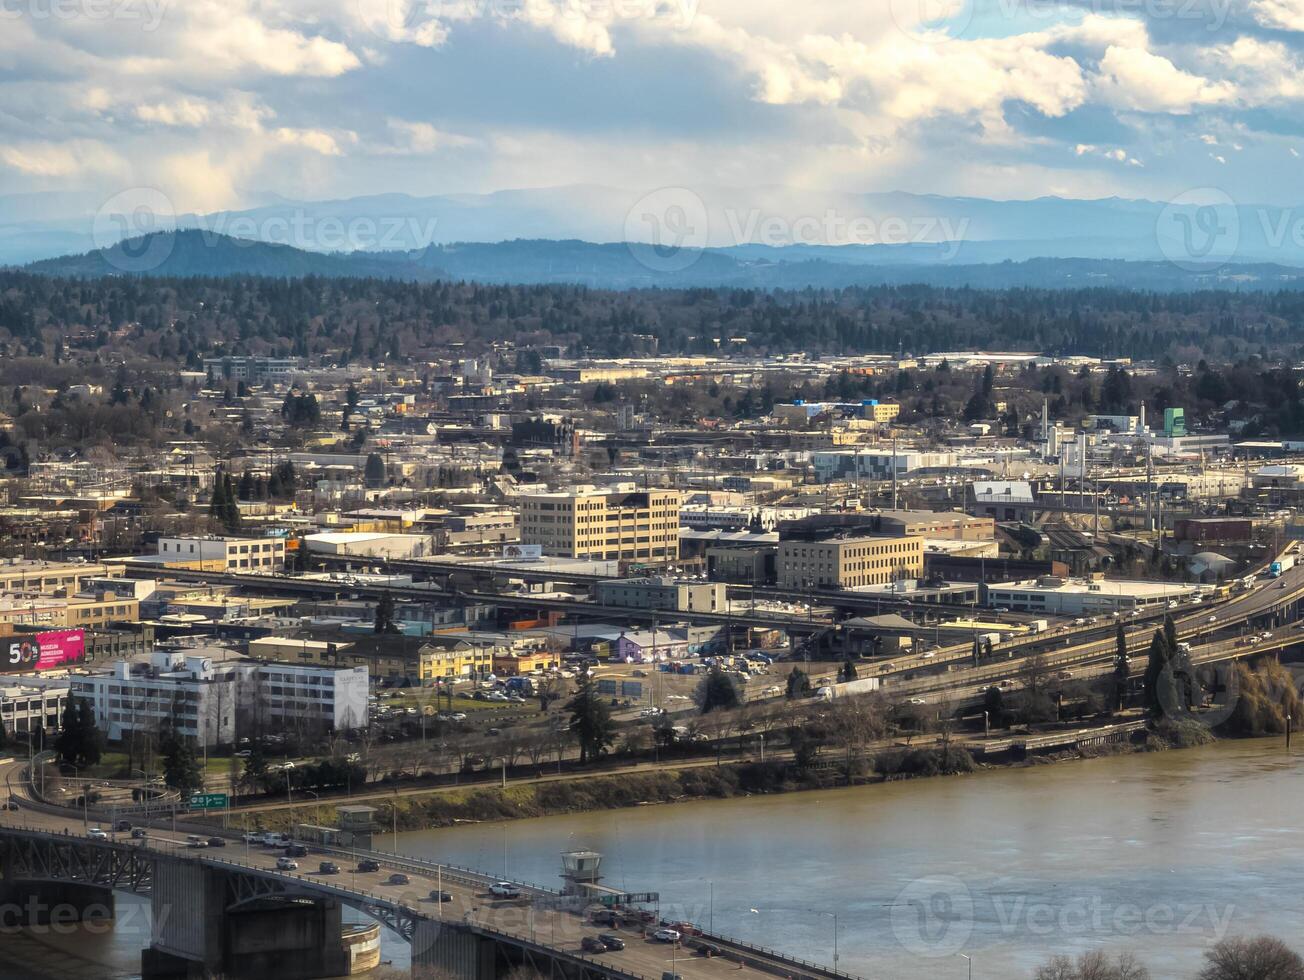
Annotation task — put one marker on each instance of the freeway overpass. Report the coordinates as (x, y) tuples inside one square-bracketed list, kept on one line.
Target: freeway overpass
[(284, 584), (1271, 601)]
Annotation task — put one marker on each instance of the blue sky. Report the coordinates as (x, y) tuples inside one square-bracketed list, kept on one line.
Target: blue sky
[(228, 103)]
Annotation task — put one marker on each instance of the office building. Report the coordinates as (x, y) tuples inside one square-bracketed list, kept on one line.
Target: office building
[(223, 554), (846, 563), (600, 524)]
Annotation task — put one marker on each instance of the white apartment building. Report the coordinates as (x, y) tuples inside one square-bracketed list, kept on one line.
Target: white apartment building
[(225, 553), (214, 700), (328, 697), (26, 709)]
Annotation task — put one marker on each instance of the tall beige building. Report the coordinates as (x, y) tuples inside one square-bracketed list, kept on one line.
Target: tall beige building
[(601, 524), (848, 562)]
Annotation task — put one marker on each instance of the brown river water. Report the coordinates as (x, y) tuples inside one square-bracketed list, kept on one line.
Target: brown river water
[(1162, 854)]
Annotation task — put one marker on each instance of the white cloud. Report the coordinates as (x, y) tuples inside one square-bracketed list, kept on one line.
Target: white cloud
[(1132, 78)]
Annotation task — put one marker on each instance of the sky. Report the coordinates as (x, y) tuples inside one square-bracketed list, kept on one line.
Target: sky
[(223, 104)]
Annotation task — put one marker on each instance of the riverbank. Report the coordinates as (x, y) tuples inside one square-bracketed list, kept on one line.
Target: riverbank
[(585, 793)]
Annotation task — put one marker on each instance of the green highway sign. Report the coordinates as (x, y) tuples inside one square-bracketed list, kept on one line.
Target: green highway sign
[(208, 801)]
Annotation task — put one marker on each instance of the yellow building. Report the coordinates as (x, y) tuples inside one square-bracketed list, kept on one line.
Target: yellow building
[(848, 562), (882, 411), (525, 662), (453, 656), (603, 525), (50, 612), (24, 575)]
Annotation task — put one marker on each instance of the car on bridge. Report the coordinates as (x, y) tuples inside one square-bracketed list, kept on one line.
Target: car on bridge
[(504, 889), (437, 896), (328, 868), (592, 944), (367, 865), (286, 864), (399, 878), (666, 935), (95, 833), (613, 942)]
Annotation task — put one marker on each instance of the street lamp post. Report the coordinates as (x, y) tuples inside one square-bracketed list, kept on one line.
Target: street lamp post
[(969, 960), (834, 917)]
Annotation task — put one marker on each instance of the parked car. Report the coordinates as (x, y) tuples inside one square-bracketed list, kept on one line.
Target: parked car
[(504, 889), (592, 944), (666, 936), (613, 942), (367, 865), (286, 864), (95, 833), (328, 868), (399, 878)]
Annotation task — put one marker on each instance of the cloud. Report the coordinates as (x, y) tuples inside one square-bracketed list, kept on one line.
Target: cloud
[(71, 158), (1132, 78), (420, 139)]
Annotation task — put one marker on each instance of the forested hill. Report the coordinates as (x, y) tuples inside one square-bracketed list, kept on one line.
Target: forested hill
[(181, 320), (622, 266)]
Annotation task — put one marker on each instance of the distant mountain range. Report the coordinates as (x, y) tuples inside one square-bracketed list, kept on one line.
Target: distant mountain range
[(621, 266), (754, 237)]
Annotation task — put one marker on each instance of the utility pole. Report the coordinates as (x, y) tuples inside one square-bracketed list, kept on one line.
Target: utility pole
[(894, 472)]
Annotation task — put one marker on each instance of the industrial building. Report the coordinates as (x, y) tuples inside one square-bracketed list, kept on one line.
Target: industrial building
[(1083, 597), (662, 593)]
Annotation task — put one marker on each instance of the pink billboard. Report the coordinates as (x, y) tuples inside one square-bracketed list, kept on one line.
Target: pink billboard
[(43, 651)]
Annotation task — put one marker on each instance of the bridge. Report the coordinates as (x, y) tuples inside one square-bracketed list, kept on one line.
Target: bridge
[(232, 912)]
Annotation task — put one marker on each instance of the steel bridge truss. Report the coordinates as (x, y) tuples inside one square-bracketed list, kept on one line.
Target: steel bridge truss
[(121, 867)]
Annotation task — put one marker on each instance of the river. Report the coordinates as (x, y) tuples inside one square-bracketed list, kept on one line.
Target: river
[(1161, 854)]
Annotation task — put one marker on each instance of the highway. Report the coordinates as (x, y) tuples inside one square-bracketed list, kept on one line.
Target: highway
[(1093, 657)]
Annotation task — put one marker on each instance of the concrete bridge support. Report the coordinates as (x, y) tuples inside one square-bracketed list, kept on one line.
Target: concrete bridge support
[(200, 932), (39, 904), (441, 951)]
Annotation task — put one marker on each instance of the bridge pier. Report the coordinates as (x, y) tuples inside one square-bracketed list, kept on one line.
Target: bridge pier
[(441, 951), (204, 928), (39, 904)]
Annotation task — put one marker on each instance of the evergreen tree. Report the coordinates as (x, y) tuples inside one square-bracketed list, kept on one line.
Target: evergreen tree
[(181, 768), (1122, 671), (385, 622), (717, 690), (798, 684), (591, 721)]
